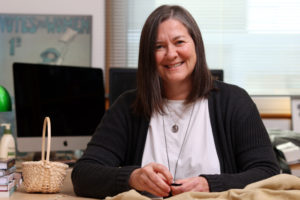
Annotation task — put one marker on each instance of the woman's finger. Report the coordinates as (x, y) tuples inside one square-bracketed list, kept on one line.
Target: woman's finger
[(153, 188), (164, 171), (198, 184), (150, 178), (156, 175)]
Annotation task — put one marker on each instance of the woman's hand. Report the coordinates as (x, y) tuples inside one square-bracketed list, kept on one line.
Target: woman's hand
[(153, 178), (195, 184)]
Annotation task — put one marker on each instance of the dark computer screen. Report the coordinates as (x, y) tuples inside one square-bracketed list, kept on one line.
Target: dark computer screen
[(120, 80), (218, 74), (73, 98)]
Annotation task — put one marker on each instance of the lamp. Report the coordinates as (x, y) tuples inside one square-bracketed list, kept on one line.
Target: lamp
[(5, 101)]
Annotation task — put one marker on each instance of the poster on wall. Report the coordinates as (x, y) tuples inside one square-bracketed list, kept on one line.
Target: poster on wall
[(46, 39)]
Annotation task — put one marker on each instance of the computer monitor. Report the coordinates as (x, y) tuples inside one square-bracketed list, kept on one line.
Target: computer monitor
[(218, 74), (122, 79), (73, 98)]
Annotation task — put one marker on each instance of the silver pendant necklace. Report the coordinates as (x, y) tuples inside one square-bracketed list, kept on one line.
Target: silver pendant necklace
[(175, 127), (183, 143)]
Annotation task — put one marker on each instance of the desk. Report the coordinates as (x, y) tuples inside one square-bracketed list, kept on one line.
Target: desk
[(66, 193)]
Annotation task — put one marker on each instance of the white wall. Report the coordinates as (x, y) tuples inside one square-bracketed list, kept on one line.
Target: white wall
[(96, 8)]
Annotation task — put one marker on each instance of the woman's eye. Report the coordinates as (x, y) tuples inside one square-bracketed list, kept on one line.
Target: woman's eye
[(179, 42), (158, 46)]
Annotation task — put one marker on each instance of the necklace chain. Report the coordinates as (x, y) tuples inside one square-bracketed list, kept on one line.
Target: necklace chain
[(183, 143), (175, 126)]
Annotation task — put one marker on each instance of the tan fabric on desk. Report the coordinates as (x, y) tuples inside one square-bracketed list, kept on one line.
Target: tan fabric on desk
[(282, 186)]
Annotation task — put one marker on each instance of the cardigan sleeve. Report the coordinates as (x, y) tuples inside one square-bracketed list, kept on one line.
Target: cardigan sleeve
[(248, 144), (101, 172)]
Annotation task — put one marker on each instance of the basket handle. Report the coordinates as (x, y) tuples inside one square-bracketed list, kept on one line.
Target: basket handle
[(46, 122)]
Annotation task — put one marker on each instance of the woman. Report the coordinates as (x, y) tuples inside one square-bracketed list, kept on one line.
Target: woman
[(180, 130)]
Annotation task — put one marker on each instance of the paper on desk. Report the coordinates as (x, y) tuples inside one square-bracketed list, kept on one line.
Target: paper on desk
[(291, 151)]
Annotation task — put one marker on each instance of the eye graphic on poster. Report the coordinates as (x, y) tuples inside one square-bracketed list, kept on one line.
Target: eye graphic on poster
[(47, 39)]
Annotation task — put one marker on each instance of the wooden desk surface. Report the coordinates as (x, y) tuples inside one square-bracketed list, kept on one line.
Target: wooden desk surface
[(66, 193)]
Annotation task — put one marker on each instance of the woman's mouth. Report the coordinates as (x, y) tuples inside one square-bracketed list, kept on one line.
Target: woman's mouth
[(174, 66)]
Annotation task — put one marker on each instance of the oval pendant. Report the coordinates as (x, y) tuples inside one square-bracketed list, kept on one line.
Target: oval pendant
[(175, 128)]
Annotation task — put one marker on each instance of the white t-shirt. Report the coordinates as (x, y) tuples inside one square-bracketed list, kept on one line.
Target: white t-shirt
[(198, 154)]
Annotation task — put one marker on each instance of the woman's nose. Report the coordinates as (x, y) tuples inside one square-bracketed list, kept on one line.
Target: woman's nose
[(171, 52)]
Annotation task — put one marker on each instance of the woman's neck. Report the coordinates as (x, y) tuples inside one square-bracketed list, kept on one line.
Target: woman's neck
[(177, 91)]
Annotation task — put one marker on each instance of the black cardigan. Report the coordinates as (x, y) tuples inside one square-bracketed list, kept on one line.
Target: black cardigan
[(116, 148)]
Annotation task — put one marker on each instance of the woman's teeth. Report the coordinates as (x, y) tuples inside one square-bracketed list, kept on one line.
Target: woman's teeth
[(173, 66)]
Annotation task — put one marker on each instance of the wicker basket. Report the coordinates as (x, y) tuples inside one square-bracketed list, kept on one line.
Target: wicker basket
[(44, 176)]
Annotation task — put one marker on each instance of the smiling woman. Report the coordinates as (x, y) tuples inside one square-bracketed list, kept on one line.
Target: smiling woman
[(180, 130), (175, 58)]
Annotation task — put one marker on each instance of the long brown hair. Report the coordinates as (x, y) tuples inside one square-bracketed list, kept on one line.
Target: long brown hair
[(149, 85)]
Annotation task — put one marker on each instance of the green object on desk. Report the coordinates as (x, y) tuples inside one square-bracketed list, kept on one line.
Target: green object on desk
[(5, 102)]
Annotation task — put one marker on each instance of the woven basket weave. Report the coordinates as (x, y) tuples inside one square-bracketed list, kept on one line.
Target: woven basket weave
[(44, 176)]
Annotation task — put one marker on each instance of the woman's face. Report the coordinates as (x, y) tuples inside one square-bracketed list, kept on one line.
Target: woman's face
[(175, 52)]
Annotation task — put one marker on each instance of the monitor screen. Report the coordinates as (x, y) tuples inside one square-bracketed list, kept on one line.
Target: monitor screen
[(120, 80), (218, 74), (73, 98)]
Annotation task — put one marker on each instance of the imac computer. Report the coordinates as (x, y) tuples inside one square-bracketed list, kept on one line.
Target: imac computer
[(72, 96), (122, 79)]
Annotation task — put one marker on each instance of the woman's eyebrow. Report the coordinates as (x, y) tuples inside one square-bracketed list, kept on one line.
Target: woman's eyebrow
[(173, 39), (178, 37)]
